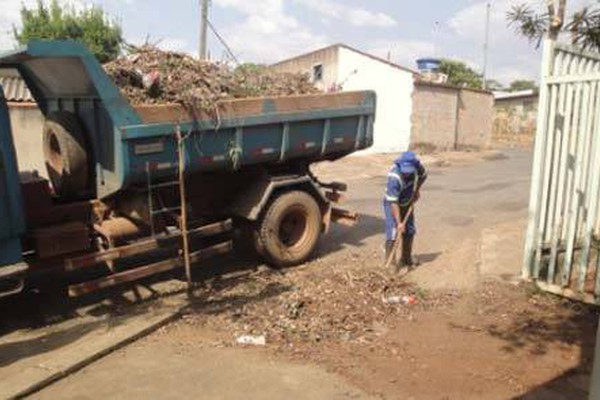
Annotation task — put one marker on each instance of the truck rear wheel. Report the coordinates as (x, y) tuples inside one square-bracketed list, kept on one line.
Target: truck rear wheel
[(290, 229), (66, 154)]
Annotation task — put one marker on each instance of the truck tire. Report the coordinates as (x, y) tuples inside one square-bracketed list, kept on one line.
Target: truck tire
[(290, 229), (66, 155)]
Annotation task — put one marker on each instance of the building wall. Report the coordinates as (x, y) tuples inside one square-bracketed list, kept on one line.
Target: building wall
[(434, 116), (475, 119), (515, 120), (394, 89), (447, 117), (328, 58), (27, 122)]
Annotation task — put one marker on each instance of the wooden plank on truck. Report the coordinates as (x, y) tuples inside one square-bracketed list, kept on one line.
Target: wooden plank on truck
[(148, 270), (145, 246)]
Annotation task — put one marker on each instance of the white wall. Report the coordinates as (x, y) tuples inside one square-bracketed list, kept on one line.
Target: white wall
[(27, 122), (394, 89)]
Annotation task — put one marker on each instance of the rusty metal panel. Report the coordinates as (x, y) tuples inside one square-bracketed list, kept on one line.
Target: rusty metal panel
[(61, 239)]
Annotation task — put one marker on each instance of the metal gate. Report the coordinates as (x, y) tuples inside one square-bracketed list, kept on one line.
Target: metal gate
[(563, 236)]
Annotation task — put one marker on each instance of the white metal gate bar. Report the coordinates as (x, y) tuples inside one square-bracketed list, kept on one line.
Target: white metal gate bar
[(561, 247)]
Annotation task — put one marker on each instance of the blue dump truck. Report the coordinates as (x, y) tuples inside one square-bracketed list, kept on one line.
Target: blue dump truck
[(111, 210)]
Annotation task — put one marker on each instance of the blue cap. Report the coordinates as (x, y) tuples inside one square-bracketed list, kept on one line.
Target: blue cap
[(407, 162)]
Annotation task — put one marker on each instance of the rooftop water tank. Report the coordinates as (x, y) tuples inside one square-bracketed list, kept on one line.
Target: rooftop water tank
[(428, 64)]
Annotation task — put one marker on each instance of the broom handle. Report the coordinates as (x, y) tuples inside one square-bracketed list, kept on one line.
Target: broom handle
[(398, 241)]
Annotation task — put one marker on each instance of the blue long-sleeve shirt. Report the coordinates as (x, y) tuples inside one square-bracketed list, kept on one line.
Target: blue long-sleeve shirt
[(401, 190)]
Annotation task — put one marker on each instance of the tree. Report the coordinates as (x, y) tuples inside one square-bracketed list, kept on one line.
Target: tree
[(492, 84), (91, 26), (521, 84), (459, 74), (583, 25)]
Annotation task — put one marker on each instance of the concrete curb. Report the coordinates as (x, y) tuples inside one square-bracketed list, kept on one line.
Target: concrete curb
[(68, 370)]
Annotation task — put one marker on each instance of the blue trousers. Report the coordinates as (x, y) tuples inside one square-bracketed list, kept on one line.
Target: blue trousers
[(390, 223)]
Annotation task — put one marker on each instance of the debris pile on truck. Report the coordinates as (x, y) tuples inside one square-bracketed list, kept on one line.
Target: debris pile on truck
[(152, 76)]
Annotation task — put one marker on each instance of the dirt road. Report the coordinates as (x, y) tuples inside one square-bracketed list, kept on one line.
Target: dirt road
[(333, 332)]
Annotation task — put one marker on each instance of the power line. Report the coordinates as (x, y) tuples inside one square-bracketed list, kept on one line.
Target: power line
[(223, 42)]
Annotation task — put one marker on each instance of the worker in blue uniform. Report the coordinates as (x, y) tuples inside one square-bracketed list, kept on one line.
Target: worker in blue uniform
[(404, 181)]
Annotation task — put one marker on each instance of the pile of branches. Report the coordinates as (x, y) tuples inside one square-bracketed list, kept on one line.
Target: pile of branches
[(152, 76)]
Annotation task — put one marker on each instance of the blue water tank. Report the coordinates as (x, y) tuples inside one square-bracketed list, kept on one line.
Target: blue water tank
[(428, 64)]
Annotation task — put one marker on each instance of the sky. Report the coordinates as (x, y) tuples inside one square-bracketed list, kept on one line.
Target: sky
[(267, 31)]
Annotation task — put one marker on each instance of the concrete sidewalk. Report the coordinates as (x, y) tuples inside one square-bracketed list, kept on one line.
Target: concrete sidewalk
[(31, 359), (183, 363)]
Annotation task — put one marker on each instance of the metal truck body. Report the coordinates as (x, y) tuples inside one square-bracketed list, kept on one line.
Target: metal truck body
[(237, 164)]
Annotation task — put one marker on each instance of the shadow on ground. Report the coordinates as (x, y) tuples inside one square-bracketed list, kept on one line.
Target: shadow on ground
[(571, 324), (36, 309)]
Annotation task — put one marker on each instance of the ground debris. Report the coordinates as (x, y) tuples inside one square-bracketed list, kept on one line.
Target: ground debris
[(256, 340), (152, 76), (312, 306)]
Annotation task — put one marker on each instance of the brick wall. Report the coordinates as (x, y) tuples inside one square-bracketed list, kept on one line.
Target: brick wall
[(476, 119), (446, 117), (515, 120)]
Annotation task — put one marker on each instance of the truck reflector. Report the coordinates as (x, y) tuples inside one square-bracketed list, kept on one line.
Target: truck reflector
[(264, 151), (213, 159), (149, 148)]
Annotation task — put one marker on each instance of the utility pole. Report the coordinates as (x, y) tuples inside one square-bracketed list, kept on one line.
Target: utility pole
[(435, 34), (203, 28), (486, 44)]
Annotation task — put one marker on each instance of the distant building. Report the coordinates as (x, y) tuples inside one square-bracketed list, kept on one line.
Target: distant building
[(447, 117), (26, 120), (342, 68), (515, 116)]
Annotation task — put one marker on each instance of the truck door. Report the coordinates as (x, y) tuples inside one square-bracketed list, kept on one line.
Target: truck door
[(12, 221)]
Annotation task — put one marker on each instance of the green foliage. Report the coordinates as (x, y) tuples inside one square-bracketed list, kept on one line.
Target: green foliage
[(459, 74), (90, 26), (527, 22), (492, 84), (518, 85), (250, 68), (583, 26)]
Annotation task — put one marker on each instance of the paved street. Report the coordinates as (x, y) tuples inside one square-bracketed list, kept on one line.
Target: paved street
[(470, 220)]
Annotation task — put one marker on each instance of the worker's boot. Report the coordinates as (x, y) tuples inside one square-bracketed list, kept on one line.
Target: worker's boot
[(407, 259), (389, 248)]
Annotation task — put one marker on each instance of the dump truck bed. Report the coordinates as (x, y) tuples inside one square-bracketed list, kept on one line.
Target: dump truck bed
[(127, 140), (251, 131)]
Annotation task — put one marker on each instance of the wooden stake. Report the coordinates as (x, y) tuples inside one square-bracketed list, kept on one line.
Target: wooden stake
[(183, 222)]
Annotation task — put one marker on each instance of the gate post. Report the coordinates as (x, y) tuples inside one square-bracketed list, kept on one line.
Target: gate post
[(541, 138), (595, 378)]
